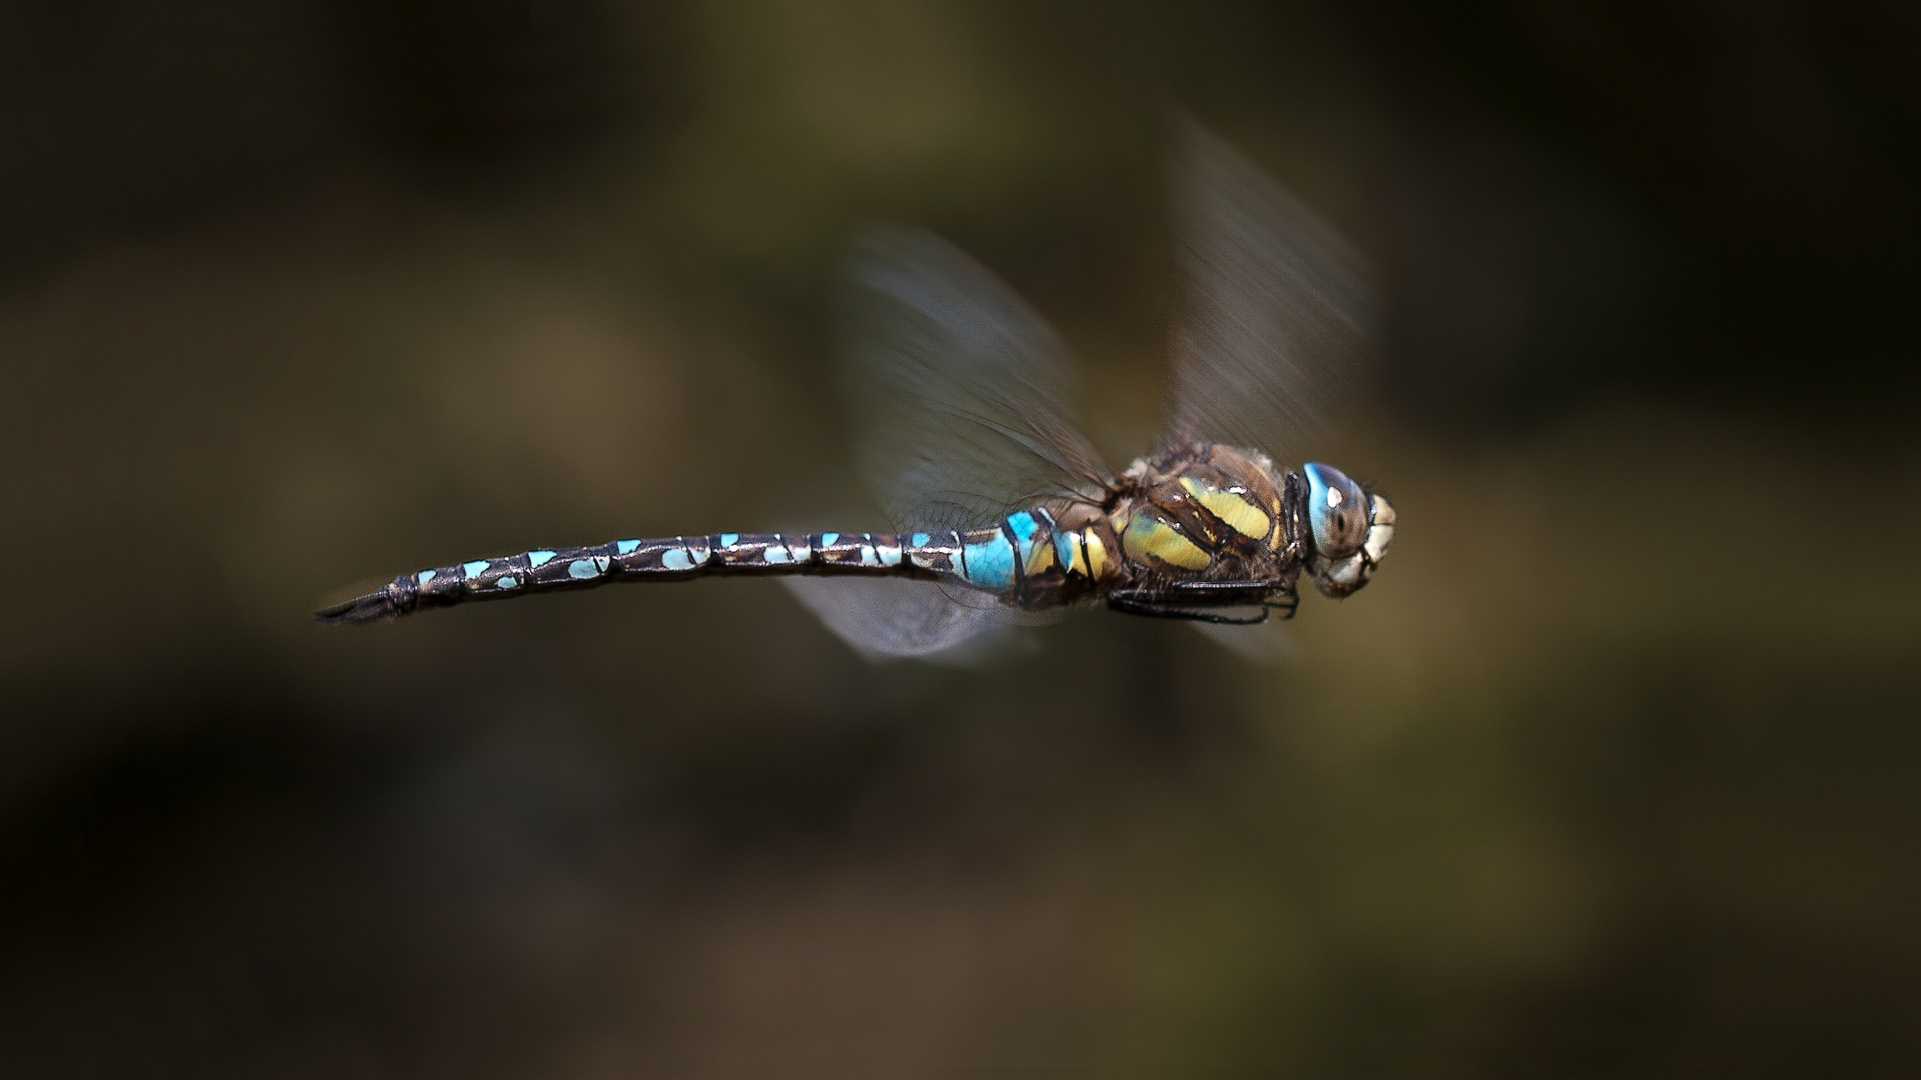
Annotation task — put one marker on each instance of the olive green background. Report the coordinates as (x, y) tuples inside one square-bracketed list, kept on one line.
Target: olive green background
[(1610, 772)]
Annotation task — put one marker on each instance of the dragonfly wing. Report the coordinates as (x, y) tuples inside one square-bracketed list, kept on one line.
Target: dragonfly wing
[(961, 388), (884, 618), (1258, 643), (1270, 333)]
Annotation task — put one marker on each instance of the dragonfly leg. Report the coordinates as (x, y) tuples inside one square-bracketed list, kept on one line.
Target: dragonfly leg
[(1207, 593), (1163, 610), (1285, 603), (1197, 601)]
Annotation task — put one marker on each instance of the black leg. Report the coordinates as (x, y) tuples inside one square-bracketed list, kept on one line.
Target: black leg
[(1154, 609), (1208, 593), (1285, 604), (1202, 601)]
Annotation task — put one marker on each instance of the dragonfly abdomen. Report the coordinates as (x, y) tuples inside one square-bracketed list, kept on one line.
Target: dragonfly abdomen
[(1026, 558), (676, 558), (1038, 562)]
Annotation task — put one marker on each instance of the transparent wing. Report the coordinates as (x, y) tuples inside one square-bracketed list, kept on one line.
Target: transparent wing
[(1261, 643), (960, 388), (896, 617), (1269, 342)]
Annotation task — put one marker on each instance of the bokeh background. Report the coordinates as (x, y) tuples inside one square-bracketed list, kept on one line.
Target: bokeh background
[(1609, 773)]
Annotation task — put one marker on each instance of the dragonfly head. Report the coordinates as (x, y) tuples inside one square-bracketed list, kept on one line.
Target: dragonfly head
[(1349, 530)]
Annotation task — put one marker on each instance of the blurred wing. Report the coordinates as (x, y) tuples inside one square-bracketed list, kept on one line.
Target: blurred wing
[(1270, 339), (1261, 643), (884, 618), (961, 388)]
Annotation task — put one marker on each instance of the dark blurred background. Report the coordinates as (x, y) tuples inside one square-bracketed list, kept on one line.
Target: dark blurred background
[(1610, 773)]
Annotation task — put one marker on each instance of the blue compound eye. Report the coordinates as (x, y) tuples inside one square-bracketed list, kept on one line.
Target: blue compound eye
[(1337, 508)]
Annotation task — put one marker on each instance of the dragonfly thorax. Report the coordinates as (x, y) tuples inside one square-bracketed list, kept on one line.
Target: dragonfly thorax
[(1204, 511)]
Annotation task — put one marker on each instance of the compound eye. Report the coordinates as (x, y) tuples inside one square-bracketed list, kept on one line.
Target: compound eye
[(1337, 509)]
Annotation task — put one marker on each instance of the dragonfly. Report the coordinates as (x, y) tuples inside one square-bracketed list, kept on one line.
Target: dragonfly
[(1002, 510)]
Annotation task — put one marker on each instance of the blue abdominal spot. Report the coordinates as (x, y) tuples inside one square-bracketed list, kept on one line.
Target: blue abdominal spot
[(989, 565), (1025, 529), (1064, 549)]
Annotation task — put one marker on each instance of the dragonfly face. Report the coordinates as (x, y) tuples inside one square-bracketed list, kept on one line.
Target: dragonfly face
[(1349, 529)]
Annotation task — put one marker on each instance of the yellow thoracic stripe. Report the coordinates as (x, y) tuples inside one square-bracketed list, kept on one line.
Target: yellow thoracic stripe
[(1148, 537), (1096, 554), (1233, 510), (1041, 557)]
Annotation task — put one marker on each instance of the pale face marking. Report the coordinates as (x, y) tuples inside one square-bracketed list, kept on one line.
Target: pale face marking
[(1382, 532)]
